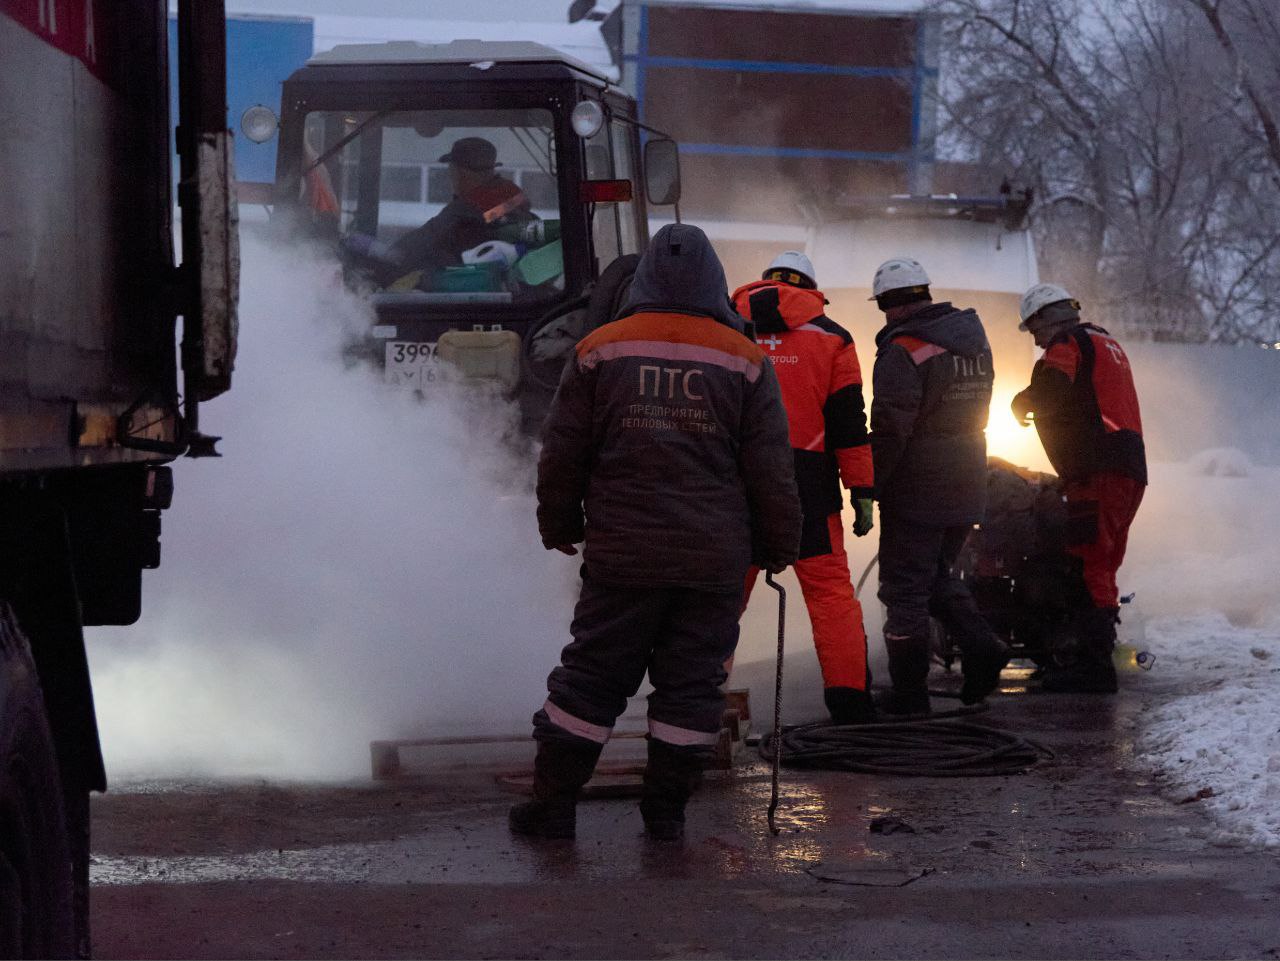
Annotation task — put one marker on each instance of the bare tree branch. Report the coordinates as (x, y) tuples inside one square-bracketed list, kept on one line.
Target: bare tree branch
[(1266, 116)]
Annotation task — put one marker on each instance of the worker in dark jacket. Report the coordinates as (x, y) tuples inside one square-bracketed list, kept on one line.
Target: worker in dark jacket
[(931, 397), (821, 381), (483, 202), (1085, 409), (666, 450)]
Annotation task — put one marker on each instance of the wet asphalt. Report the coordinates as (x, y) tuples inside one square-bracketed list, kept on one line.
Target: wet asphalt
[(1081, 857)]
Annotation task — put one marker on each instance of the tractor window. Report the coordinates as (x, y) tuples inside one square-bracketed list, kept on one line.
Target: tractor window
[(456, 204), (624, 166), (613, 226)]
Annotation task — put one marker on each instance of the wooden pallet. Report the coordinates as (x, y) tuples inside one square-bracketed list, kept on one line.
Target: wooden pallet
[(386, 762)]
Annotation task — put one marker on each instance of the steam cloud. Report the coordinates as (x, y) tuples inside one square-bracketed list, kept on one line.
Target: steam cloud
[(363, 565), (358, 565)]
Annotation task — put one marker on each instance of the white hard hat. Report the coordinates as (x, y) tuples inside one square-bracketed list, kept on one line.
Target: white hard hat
[(1039, 297), (897, 273), (795, 262)]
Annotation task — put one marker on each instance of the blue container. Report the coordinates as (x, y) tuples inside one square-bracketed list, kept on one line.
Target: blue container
[(261, 53)]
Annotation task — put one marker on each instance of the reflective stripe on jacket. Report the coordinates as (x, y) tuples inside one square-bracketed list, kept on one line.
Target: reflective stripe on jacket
[(821, 382), (931, 395), (666, 447)]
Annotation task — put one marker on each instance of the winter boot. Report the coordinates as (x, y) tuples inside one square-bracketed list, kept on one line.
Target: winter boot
[(981, 661), (908, 674), (669, 778), (848, 705), (982, 654), (1093, 672), (560, 770)]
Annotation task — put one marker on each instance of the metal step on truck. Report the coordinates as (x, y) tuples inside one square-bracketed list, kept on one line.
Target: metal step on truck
[(95, 395), (491, 196)]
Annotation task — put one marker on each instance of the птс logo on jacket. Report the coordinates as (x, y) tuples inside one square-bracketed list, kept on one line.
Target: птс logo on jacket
[(685, 382)]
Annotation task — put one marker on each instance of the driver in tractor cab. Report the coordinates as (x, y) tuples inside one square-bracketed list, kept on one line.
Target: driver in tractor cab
[(483, 203), (1085, 408)]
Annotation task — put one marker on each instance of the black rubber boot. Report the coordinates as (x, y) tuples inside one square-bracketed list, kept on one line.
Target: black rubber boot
[(670, 778), (1094, 671), (909, 676), (848, 705), (981, 662), (560, 770), (982, 654)]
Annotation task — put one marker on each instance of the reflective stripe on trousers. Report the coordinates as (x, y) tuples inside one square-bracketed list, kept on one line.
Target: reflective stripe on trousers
[(680, 637), (576, 725), (680, 736)]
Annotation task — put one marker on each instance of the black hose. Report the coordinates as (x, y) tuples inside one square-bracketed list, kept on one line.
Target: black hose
[(941, 746)]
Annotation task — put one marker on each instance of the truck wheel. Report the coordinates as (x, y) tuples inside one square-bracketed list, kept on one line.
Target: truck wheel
[(37, 904), (76, 805)]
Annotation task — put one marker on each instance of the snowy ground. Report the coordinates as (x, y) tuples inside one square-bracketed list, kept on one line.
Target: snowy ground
[(1221, 743), (1203, 562)]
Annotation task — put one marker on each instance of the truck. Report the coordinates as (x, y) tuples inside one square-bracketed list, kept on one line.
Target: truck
[(96, 397), (366, 136)]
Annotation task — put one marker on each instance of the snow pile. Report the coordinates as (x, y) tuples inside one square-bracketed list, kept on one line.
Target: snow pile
[(1221, 462), (1207, 542), (1221, 744), (1203, 557)]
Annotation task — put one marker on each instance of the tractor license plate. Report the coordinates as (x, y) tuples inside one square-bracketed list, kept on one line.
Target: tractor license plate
[(411, 365)]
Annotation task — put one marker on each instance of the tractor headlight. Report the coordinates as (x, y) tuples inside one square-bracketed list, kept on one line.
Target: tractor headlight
[(259, 123), (587, 119)]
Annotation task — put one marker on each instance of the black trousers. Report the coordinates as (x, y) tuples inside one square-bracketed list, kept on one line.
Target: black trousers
[(916, 582), (680, 637)]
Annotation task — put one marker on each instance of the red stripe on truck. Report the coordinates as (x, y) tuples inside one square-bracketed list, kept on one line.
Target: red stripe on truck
[(79, 28)]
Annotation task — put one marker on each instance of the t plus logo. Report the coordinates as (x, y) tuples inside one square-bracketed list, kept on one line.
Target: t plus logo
[(773, 342), (1117, 355)]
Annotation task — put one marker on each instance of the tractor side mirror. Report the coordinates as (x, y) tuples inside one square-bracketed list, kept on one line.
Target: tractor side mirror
[(662, 172)]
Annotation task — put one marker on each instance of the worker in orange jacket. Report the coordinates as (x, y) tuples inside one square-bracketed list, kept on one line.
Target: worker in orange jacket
[(817, 367)]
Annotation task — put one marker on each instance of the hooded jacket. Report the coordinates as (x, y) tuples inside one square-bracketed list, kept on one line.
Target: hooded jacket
[(666, 444), (931, 397), (1086, 407), (466, 221), (821, 382)]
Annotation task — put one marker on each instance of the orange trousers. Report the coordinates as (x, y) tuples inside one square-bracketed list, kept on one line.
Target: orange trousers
[(834, 611)]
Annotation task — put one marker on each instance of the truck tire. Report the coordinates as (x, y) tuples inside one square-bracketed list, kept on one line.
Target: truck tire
[(76, 806), (37, 891)]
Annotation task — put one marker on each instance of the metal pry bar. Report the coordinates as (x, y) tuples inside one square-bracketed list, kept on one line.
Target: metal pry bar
[(777, 698)]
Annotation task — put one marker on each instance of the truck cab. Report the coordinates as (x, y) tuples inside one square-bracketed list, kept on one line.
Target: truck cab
[(480, 192)]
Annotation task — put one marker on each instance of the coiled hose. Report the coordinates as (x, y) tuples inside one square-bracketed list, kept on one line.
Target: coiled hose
[(942, 746), (936, 745)]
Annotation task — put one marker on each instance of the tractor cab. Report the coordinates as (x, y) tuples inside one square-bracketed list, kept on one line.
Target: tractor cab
[(480, 191)]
